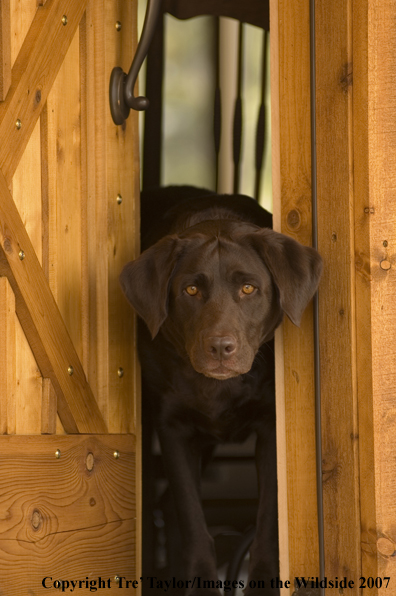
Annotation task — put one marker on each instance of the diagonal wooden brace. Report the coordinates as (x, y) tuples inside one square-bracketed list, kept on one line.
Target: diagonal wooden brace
[(43, 324), (33, 75)]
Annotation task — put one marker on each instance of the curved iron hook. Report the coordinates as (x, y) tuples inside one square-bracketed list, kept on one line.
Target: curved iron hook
[(122, 85)]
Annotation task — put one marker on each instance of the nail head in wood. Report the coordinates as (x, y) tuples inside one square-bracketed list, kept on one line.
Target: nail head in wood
[(119, 199), (21, 255), (118, 26), (64, 20), (120, 372), (18, 124), (57, 454), (70, 370), (385, 265), (116, 454)]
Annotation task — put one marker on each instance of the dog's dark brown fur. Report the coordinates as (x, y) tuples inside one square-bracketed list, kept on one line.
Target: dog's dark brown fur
[(211, 286)]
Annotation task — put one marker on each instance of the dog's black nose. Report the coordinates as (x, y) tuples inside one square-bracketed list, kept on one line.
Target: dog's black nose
[(220, 348)]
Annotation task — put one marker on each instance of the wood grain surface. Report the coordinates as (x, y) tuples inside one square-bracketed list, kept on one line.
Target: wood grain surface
[(291, 159), (70, 517)]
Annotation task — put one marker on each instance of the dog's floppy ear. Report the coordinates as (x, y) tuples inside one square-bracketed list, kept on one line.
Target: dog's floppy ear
[(296, 269), (145, 281)]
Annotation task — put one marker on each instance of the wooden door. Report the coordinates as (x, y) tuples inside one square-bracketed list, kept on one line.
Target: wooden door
[(69, 217)]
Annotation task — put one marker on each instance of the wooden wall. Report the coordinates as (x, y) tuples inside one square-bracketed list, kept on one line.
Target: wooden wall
[(69, 221), (64, 178), (355, 112)]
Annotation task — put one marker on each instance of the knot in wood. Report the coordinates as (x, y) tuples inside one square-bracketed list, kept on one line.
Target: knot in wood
[(385, 546), (7, 245), (90, 461), (293, 219), (36, 519)]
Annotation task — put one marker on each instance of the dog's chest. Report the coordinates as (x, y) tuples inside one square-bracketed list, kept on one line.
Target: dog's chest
[(225, 415)]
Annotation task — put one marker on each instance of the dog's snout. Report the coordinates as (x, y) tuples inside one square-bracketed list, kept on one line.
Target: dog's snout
[(220, 347)]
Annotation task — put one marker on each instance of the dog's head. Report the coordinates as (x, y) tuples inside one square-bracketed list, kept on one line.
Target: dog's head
[(218, 291)]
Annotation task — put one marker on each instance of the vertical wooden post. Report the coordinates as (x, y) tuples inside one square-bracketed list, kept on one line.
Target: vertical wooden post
[(334, 130), (291, 158)]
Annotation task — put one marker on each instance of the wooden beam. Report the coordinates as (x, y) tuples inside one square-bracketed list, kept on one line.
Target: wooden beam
[(80, 505), (33, 75), (43, 324), (5, 48)]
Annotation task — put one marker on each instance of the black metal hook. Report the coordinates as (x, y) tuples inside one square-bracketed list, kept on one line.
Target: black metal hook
[(122, 84)]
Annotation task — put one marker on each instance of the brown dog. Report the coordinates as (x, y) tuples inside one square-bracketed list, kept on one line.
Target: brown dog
[(211, 286)]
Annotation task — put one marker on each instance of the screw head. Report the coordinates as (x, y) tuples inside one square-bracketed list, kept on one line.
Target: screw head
[(21, 255), (118, 26), (116, 454), (120, 372), (119, 199), (57, 454), (18, 124), (64, 20), (70, 370), (117, 579)]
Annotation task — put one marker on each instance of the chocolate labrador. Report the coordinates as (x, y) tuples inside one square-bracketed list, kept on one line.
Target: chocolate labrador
[(211, 285)]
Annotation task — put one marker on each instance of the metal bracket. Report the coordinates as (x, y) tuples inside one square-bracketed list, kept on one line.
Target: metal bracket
[(122, 85)]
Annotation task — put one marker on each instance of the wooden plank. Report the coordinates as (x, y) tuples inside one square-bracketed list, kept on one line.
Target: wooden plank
[(22, 15), (340, 454), (33, 75), (93, 114), (66, 238), (43, 324), (123, 241), (123, 179), (48, 408), (7, 357), (364, 285), (291, 174), (112, 169), (28, 392), (80, 507), (5, 49), (382, 216)]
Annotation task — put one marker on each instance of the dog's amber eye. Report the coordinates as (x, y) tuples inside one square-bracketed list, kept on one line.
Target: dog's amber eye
[(192, 290), (248, 289)]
